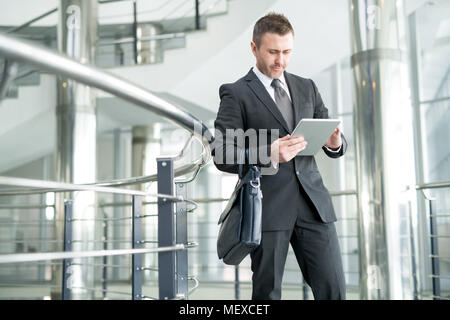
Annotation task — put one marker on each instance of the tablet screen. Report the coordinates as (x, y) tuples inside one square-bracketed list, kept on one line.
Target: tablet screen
[(316, 132)]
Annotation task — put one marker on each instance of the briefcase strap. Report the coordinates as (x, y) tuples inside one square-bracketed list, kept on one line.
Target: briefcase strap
[(250, 178), (243, 160)]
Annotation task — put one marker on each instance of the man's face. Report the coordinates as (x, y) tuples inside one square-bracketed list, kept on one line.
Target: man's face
[(273, 54)]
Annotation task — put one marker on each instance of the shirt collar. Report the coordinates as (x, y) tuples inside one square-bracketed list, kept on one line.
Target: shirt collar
[(267, 81)]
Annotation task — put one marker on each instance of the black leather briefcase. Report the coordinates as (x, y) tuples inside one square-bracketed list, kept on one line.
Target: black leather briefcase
[(241, 221)]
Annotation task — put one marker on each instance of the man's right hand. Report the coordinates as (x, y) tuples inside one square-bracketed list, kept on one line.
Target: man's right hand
[(286, 148)]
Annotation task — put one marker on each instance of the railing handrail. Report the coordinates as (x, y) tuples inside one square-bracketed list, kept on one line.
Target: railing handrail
[(45, 14), (26, 24), (43, 58), (164, 36), (24, 51), (47, 256), (433, 185), (343, 193), (52, 186), (179, 171)]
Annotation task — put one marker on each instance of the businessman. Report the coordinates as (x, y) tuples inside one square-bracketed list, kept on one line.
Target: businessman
[(296, 208)]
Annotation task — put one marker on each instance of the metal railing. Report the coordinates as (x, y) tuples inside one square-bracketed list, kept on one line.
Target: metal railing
[(172, 235), (42, 58), (196, 9), (30, 22), (434, 236), (133, 40), (172, 28), (167, 250)]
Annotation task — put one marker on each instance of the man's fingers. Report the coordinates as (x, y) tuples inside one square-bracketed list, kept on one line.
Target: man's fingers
[(292, 139), (295, 150), (297, 147), (291, 142), (289, 152), (289, 147), (297, 139)]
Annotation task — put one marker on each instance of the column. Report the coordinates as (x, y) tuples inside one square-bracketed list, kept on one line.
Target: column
[(76, 138), (384, 143)]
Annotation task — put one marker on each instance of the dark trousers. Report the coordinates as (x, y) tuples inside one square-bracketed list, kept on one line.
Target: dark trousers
[(316, 248)]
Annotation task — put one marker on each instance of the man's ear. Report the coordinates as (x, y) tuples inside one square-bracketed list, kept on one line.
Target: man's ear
[(253, 47)]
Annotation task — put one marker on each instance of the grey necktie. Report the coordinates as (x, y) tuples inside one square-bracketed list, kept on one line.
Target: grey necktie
[(284, 103)]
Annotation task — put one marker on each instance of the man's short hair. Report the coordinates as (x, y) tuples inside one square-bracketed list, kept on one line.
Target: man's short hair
[(271, 22)]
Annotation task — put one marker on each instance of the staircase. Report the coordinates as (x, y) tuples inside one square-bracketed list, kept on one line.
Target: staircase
[(221, 31)]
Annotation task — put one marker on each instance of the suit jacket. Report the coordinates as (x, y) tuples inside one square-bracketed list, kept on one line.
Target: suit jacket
[(297, 186)]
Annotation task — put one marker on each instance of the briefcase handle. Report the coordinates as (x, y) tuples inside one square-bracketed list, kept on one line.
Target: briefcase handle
[(244, 159), (253, 178)]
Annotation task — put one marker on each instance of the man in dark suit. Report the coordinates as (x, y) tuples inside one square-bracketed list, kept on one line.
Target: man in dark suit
[(296, 207)]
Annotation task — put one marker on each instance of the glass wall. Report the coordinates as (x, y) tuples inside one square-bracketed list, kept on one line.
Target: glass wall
[(430, 65)]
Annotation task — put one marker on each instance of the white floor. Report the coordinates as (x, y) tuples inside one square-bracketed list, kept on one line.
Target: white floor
[(205, 291)]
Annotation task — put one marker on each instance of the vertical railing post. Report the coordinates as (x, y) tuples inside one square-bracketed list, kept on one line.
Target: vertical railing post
[(435, 273), (135, 26), (136, 272), (197, 14), (414, 272), (182, 238), (66, 267), (237, 291), (105, 258), (166, 234)]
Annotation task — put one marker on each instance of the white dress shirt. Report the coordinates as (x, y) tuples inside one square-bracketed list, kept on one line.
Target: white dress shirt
[(267, 82)]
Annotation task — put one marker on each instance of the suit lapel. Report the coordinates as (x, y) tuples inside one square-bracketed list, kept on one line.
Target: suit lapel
[(300, 98), (294, 96), (258, 88)]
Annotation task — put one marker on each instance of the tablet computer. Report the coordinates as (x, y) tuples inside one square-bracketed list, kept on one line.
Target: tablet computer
[(316, 132)]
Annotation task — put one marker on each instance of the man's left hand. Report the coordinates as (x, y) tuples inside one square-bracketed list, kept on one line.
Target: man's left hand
[(335, 140)]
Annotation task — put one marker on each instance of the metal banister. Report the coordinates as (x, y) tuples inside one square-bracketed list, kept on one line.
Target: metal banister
[(434, 185), (26, 24), (45, 59), (47, 256), (194, 167), (15, 50), (179, 171), (433, 236), (51, 186), (165, 36)]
